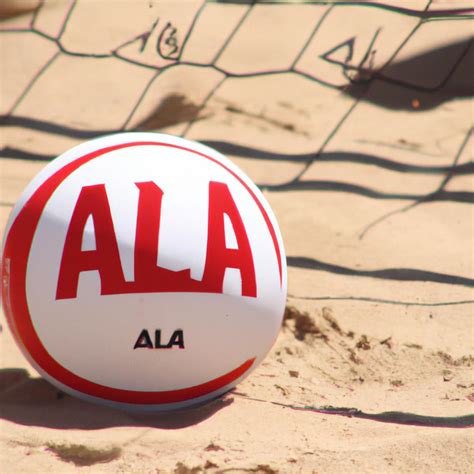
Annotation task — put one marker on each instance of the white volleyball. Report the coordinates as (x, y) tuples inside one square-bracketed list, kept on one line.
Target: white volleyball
[(143, 271)]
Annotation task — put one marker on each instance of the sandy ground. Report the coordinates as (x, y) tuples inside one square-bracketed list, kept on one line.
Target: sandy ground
[(357, 123)]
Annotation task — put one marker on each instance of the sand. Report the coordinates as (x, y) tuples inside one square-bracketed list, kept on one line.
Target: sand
[(366, 160)]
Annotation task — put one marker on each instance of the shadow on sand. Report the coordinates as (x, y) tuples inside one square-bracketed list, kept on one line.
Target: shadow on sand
[(35, 402)]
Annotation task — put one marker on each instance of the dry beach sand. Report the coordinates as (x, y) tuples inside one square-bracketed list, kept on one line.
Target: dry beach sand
[(356, 120)]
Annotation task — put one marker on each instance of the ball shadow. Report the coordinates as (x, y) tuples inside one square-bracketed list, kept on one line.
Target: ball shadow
[(33, 401)]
